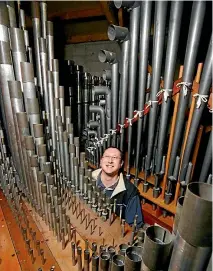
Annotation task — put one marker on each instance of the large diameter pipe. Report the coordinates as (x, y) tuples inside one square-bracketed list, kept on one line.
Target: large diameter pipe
[(133, 259), (117, 263), (171, 55), (195, 28), (159, 34), (178, 214), (207, 160), (157, 248), (188, 257), (145, 22), (195, 225)]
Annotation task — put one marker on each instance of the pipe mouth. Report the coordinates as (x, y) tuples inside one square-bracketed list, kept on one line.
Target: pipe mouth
[(111, 32), (105, 256), (133, 254), (201, 190), (118, 260), (102, 56), (118, 4), (159, 235), (181, 200)]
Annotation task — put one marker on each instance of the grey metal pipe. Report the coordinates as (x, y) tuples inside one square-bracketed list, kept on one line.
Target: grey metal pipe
[(33, 113), (102, 90), (117, 263), (205, 83), (159, 34), (50, 44), (145, 22), (195, 28), (188, 257), (43, 9), (99, 110), (178, 214), (52, 108), (197, 204), (55, 70), (104, 261), (133, 259), (171, 54), (11, 12), (37, 35), (18, 50), (44, 65), (157, 248), (61, 102), (95, 262)]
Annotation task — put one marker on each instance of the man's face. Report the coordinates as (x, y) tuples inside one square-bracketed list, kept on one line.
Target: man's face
[(111, 161)]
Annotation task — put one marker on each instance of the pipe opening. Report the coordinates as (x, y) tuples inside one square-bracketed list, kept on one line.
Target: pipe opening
[(105, 256), (159, 235), (118, 4), (102, 56), (181, 200), (202, 190), (118, 260), (111, 32), (134, 257)]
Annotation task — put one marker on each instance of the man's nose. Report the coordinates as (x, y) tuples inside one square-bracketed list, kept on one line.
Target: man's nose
[(110, 159)]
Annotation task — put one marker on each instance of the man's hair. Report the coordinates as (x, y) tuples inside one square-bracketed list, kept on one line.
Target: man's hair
[(113, 147)]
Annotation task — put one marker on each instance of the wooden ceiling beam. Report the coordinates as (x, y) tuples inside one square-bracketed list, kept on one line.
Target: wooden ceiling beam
[(77, 13), (108, 12), (87, 38)]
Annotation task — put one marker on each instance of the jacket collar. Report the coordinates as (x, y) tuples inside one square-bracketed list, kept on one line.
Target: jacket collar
[(120, 186)]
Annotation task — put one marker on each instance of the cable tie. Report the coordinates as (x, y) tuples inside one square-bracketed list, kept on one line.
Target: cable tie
[(200, 98), (165, 92), (112, 132), (138, 113), (149, 103), (121, 127), (130, 121), (211, 110), (186, 86)]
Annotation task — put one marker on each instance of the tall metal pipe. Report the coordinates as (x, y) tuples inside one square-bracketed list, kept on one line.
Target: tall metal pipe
[(145, 22), (11, 12), (159, 34), (52, 108), (117, 263), (50, 44), (171, 55), (205, 83), (37, 35), (99, 110), (207, 160), (122, 34), (43, 8), (195, 28), (178, 214)]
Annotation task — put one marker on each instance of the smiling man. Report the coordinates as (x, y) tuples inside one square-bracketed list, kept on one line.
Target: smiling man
[(114, 184)]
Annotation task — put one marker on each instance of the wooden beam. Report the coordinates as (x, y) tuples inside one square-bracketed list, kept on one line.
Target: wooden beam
[(120, 17), (77, 13), (87, 38), (108, 12)]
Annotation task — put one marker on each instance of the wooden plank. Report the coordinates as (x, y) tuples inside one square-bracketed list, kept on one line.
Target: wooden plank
[(108, 12), (77, 13), (8, 256), (87, 38), (120, 17)]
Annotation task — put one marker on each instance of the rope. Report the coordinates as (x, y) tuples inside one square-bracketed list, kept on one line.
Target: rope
[(112, 132), (129, 121), (165, 92), (138, 113), (149, 103), (121, 127), (211, 110), (200, 98), (186, 87)]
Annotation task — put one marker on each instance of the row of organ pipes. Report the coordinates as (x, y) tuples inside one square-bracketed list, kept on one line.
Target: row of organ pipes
[(49, 143)]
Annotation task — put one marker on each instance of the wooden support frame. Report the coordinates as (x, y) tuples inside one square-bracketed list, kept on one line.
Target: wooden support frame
[(87, 38), (107, 12)]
